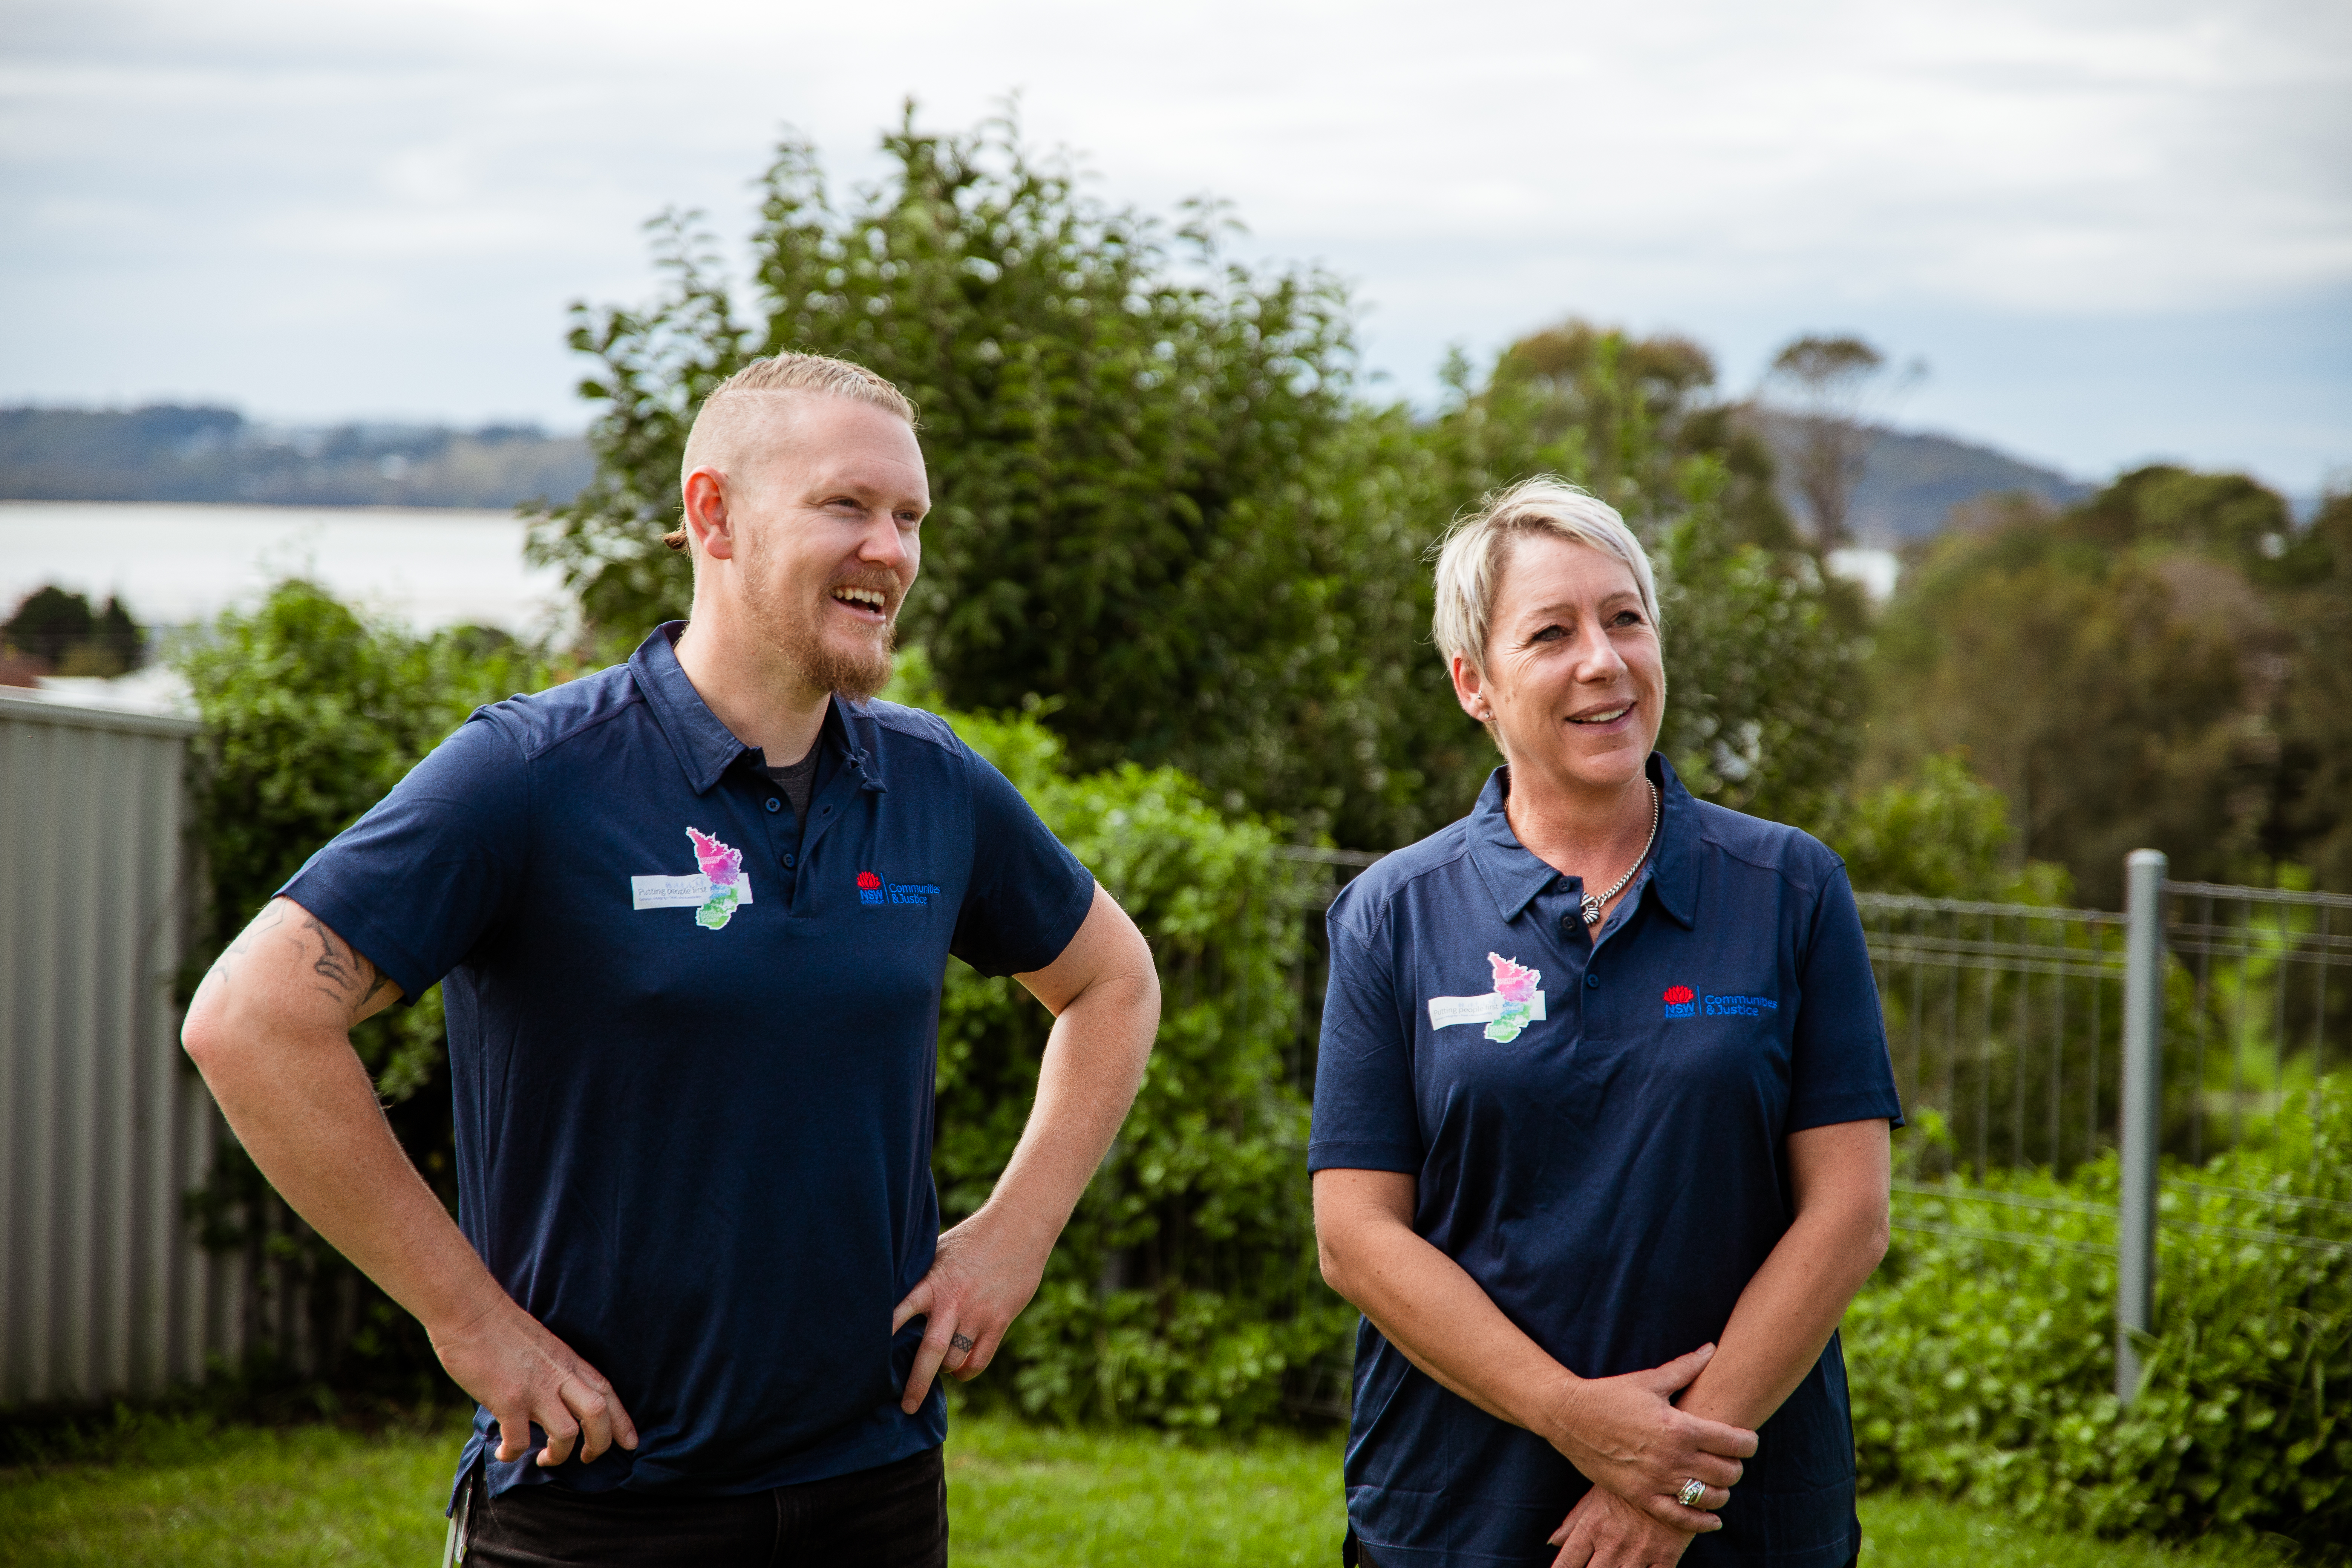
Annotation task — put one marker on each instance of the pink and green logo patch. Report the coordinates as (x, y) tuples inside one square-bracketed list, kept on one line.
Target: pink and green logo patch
[(1515, 985), (724, 869)]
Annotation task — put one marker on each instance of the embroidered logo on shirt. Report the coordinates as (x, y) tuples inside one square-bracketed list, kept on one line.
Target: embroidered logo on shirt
[(1508, 1008), (713, 893), (873, 890), (1682, 1002)]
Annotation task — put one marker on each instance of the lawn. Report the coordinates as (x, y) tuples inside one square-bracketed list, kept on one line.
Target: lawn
[(192, 1496)]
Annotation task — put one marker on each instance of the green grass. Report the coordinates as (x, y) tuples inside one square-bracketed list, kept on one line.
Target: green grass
[(191, 1495)]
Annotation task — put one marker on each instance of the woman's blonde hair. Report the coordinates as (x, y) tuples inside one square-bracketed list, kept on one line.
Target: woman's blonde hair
[(1476, 549)]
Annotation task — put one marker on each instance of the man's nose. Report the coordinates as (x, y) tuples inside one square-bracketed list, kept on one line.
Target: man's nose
[(885, 543)]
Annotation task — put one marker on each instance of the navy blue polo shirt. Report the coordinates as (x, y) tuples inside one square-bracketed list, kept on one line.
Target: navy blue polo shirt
[(1599, 1138), (692, 1044)]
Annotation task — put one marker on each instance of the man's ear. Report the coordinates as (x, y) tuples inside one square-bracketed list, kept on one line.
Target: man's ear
[(709, 525)]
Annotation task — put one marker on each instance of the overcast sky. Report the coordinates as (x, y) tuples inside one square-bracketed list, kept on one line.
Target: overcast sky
[(2113, 231)]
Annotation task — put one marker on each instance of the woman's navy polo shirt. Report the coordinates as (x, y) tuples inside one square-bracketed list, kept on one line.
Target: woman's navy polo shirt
[(692, 1045), (1602, 1146)]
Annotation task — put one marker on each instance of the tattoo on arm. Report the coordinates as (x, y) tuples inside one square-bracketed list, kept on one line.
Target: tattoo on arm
[(346, 975)]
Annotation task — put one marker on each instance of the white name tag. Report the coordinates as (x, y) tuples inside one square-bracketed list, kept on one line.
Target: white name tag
[(1446, 1010), (681, 892)]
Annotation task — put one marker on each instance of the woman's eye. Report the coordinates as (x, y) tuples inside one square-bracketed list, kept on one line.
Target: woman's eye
[(1629, 617), (1549, 634)]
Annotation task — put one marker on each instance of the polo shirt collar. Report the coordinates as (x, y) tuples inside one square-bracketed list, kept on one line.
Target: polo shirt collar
[(706, 747), (1514, 876)]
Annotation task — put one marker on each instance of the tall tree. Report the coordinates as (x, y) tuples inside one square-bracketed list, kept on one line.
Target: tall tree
[(1168, 521), (2160, 666), (1837, 395)]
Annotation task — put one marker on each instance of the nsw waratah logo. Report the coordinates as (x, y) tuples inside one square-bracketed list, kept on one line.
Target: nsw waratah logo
[(1682, 1002), (869, 888)]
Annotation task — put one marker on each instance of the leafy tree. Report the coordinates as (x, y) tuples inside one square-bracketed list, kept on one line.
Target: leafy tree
[(2155, 667), (1166, 522), (1118, 424), (1942, 834), (59, 628), (1836, 390)]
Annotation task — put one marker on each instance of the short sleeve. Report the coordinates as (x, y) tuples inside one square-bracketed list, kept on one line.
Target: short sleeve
[(1365, 1118), (1028, 894), (416, 882), (1838, 1066)]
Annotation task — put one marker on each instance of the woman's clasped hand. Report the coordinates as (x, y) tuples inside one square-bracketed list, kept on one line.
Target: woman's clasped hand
[(1624, 1435)]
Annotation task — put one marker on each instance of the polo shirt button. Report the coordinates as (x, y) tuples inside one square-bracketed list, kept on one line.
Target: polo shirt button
[(1568, 925), (788, 862), (1592, 982), (776, 804)]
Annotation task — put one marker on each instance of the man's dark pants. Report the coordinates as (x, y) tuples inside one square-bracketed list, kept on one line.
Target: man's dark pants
[(895, 1516)]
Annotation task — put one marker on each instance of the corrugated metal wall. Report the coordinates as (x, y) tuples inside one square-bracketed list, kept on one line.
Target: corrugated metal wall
[(103, 1123)]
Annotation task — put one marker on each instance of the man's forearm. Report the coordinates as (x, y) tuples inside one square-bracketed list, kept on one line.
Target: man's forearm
[(1093, 1063), (305, 1110)]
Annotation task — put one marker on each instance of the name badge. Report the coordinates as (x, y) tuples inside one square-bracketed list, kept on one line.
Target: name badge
[(680, 893), (1446, 1010)]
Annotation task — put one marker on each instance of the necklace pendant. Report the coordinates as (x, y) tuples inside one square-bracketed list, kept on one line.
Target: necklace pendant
[(1591, 910)]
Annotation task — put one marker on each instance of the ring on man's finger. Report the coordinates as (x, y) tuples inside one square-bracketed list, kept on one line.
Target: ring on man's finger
[(960, 1342), (1693, 1489)]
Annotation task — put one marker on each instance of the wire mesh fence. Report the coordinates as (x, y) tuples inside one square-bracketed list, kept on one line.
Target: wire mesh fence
[(2005, 1024)]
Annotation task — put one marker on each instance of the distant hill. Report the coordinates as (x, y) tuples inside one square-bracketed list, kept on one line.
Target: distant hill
[(171, 454), (1911, 480)]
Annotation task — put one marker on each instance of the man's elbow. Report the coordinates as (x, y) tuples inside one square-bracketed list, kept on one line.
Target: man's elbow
[(214, 1034)]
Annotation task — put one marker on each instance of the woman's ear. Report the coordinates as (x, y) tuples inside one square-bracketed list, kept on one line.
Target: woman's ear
[(1470, 689)]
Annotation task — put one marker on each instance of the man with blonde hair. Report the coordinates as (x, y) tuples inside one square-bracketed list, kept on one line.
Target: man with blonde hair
[(693, 913)]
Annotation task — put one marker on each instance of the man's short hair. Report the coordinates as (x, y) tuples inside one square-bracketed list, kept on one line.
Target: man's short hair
[(1472, 558), (817, 374)]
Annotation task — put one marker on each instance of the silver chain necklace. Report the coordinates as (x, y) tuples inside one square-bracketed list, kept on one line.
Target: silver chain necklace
[(1591, 904)]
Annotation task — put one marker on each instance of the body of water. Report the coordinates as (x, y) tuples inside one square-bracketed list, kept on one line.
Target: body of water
[(171, 564)]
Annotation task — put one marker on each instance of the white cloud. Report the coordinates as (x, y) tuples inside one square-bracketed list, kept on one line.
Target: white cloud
[(452, 175)]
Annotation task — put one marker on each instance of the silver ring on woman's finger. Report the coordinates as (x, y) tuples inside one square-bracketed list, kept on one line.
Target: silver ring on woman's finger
[(1693, 1489)]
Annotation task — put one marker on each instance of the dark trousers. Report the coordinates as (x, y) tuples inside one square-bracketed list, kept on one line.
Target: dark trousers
[(892, 1517)]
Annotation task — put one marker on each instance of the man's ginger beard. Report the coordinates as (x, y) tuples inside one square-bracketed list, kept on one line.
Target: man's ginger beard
[(792, 631)]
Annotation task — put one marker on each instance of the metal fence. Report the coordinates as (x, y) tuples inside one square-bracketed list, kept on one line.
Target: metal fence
[(2044, 1038), (2032, 1038), (103, 1125)]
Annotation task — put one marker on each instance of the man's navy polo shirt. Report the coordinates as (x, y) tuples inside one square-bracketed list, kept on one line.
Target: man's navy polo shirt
[(1603, 1147), (693, 1075)]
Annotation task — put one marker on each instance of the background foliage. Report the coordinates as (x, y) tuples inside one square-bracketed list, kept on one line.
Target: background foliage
[(2163, 666), (310, 715), (1169, 520), (1984, 1368)]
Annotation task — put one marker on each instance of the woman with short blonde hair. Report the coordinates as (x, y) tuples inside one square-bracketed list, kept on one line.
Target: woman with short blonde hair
[(1600, 1116)]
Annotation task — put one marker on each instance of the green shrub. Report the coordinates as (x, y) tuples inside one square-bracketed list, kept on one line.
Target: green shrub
[(310, 715), (1185, 1290), (1984, 1368)]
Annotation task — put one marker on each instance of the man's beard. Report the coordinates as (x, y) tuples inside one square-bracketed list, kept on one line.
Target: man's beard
[(857, 675)]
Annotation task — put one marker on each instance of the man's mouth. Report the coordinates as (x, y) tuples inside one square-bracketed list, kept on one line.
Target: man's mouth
[(857, 598), (1602, 715)]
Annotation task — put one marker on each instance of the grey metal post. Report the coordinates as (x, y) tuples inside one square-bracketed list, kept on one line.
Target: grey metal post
[(2143, 1109)]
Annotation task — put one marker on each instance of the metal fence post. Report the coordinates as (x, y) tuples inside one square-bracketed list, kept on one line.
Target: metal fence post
[(2143, 1111)]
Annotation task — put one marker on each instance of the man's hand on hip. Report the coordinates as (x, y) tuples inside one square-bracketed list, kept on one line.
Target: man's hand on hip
[(523, 1374), (979, 1280), (1105, 997)]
